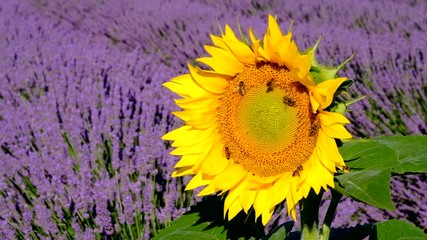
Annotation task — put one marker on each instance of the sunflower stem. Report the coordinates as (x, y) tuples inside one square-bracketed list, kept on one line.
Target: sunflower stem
[(326, 227), (309, 216)]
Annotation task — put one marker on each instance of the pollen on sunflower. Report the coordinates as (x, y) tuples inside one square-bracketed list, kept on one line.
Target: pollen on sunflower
[(257, 124)]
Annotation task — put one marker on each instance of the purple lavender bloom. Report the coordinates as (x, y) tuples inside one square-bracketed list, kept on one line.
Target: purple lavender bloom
[(82, 108)]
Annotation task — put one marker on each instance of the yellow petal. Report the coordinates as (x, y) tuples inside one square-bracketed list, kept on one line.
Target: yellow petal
[(215, 162), (329, 149), (202, 121), (262, 200), (186, 135), (200, 103), (188, 160), (294, 197), (182, 172), (185, 150), (219, 42), (312, 169), (222, 61), (256, 47), (252, 36), (325, 152), (332, 125), (314, 103), (271, 40), (286, 56), (240, 49), (304, 65), (208, 80), (234, 209), (205, 147), (337, 131), (324, 91), (247, 198), (197, 120), (194, 160), (266, 215), (291, 205), (281, 189), (258, 180), (331, 118), (234, 194), (208, 190), (184, 86), (176, 133), (197, 181), (274, 29), (290, 54), (307, 81), (304, 189), (194, 148), (230, 177)]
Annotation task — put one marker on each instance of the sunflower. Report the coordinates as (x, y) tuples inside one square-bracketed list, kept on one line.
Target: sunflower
[(257, 126)]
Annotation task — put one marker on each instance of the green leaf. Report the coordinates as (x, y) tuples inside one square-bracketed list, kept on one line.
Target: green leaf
[(401, 154), (356, 232), (187, 227), (397, 230), (368, 154), (281, 232), (205, 221), (71, 149), (369, 186), (371, 163), (410, 152)]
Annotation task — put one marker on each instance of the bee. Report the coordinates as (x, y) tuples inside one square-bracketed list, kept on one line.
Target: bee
[(288, 101), (242, 88), (296, 172), (314, 128), (227, 153), (345, 169), (270, 85)]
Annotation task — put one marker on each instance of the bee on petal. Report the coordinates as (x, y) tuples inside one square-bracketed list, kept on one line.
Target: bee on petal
[(314, 128), (297, 171), (227, 153)]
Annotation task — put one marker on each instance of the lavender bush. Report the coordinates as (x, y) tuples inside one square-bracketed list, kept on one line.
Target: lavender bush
[(82, 108)]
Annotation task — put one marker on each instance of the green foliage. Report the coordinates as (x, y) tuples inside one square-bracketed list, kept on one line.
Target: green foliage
[(400, 154), (281, 232), (72, 152), (205, 222), (187, 227), (387, 230), (372, 162), (398, 230), (369, 186)]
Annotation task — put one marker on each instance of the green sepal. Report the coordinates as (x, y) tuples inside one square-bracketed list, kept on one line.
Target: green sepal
[(243, 36), (342, 106), (322, 73)]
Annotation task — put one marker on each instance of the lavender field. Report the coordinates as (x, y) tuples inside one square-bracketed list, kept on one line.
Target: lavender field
[(82, 108)]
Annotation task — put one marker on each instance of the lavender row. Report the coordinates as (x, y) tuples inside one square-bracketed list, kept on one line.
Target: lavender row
[(81, 126), (82, 110), (388, 37)]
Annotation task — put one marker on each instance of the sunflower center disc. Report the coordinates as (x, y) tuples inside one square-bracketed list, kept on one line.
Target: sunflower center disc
[(266, 122), (265, 119)]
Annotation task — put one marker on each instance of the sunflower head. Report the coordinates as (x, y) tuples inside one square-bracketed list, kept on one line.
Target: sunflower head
[(258, 123)]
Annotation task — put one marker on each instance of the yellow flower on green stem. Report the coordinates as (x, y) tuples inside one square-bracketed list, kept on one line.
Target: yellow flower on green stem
[(256, 125)]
